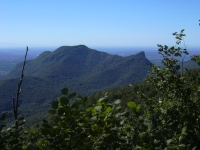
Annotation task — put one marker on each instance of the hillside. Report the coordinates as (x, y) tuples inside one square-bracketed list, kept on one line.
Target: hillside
[(188, 64), (79, 68)]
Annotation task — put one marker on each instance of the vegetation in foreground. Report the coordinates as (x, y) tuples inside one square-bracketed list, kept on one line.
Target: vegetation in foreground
[(168, 120)]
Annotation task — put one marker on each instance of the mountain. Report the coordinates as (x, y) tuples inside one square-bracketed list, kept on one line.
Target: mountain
[(79, 68), (188, 64)]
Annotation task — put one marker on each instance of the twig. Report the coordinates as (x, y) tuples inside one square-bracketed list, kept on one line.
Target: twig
[(16, 103)]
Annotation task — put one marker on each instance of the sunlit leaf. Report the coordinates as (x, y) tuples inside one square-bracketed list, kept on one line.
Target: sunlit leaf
[(108, 109), (94, 118), (89, 109), (138, 108), (117, 102), (131, 104), (101, 99), (98, 108)]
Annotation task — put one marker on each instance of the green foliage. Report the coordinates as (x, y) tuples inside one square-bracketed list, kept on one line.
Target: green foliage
[(174, 115), (2, 125), (12, 138), (74, 126)]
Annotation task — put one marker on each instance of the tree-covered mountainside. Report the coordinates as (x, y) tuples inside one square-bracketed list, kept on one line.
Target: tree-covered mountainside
[(75, 61), (81, 69)]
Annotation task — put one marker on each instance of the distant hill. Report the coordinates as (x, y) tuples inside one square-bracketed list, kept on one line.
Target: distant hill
[(189, 64), (79, 68)]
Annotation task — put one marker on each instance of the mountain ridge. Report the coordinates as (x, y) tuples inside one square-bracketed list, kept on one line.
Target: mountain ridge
[(79, 68), (47, 58)]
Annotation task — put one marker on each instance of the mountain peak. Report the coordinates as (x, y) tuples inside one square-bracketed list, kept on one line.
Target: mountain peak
[(75, 46), (139, 55), (142, 53)]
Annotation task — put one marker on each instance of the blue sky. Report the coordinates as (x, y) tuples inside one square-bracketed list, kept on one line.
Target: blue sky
[(98, 23)]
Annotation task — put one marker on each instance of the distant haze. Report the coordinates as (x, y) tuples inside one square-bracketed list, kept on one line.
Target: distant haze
[(150, 52)]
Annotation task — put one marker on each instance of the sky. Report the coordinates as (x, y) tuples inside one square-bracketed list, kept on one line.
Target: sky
[(98, 23)]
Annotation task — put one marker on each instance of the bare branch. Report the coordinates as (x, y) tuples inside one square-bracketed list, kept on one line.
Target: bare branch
[(16, 103)]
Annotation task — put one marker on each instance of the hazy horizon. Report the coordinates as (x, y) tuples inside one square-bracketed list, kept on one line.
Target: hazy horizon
[(150, 52)]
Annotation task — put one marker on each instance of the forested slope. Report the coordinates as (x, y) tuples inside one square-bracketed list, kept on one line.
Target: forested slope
[(81, 69)]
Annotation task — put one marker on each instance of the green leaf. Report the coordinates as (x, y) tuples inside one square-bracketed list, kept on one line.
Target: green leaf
[(72, 95), (64, 91), (122, 122), (194, 148), (98, 108), (101, 99), (108, 109), (182, 145), (3, 116), (131, 104), (138, 108), (85, 99), (184, 129), (182, 138), (45, 121), (79, 101), (94, 118), (9, 129), (169, 141), (64, 100), (124, 113), (117, 102), (156, 141), (52, 112), (121, 114), (88, 109), (61, 111), (114, 129), (94, 111), (54, 104)]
